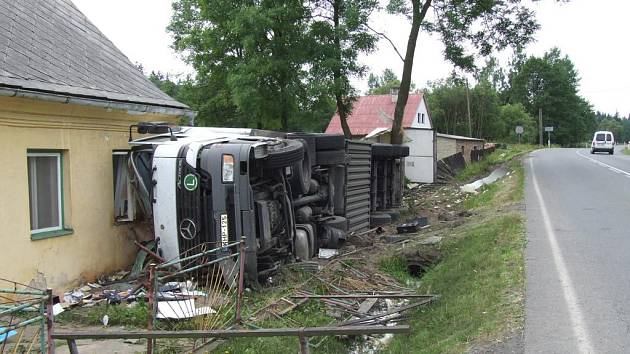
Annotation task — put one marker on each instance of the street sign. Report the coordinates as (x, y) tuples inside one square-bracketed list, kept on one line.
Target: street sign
[(548, 129), (519, 129)]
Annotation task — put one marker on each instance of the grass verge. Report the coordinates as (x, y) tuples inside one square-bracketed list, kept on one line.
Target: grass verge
[(498, 157), (626, 151), (480, 278)]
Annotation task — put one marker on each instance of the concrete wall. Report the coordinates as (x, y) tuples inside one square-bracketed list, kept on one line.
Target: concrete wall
[(447, 146), (86, 136), (420, 164)]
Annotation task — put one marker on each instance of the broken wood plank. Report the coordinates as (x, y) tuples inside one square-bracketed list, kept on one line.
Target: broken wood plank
[(367, 305)]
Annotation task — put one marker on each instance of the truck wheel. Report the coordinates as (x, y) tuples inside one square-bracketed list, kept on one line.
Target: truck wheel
[(382, 150), (333, 157), (301, 178), (400, 150), (284, 153), (311, 142), (327, 142)]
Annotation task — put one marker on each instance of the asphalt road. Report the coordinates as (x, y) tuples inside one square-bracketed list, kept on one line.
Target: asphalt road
[(578, 252)]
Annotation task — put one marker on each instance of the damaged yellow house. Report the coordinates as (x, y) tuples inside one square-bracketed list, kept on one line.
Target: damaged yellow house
[(67, 99)]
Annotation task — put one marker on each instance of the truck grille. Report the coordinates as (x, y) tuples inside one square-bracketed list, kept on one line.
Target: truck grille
[(357, 194), (190, 206)]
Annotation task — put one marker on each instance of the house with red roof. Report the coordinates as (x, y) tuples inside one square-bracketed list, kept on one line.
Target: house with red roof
[(372, 118)]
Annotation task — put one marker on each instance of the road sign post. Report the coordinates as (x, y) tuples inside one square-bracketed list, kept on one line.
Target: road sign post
[(549, 130), (519, 131)]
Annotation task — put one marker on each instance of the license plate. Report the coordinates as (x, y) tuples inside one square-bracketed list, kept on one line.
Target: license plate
[(225, 237)]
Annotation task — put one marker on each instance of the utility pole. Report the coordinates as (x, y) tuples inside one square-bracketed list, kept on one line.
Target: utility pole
[(540, 128), (468, 109)]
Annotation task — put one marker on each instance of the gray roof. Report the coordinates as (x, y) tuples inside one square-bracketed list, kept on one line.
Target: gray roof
[(50, 46)]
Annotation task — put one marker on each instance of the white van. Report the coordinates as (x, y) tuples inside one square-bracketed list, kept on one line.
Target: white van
[(603, 141)]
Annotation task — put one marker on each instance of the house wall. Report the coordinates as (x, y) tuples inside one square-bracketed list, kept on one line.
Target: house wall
[(446, 147), (420, 164), (467, 146), (418, 121), (87, 136)]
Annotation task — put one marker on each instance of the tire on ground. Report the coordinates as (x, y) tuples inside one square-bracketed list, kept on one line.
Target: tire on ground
[(333, 157), (380, 219), (284, 153)]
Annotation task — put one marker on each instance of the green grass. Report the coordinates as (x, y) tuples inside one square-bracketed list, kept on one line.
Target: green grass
[(625, 151), (119, 315), (480, 278), (498, 157)]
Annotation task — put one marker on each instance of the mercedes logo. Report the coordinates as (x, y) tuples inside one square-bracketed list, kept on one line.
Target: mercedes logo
[(188, 229)]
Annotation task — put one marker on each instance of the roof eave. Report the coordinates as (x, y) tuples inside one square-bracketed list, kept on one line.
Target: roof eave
[(130, 107)]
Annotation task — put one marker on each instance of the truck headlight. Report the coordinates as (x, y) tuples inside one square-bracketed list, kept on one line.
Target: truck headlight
[(227, 170)]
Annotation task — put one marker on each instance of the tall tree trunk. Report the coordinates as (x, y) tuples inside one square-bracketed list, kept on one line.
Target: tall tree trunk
[(342, 107), (419, 11)]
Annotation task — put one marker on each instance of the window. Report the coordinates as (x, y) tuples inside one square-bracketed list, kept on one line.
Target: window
[(419, 114), (45, 190), (422, 118), (600, 137), (123, 210)]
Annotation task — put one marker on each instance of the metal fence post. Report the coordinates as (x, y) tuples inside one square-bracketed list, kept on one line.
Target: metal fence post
[(151, 289), (241, 281), (49, 321)]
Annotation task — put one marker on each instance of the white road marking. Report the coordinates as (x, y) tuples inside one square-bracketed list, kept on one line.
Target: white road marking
[(575, 314), (614, 169)]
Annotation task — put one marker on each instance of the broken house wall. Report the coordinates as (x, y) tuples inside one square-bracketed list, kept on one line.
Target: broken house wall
[(86, 137), (448, 145)]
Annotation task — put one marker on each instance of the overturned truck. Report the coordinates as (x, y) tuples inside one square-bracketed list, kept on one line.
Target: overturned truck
[(286, 194)]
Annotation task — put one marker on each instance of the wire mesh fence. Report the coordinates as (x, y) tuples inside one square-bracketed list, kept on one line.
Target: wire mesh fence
[(24, 313)]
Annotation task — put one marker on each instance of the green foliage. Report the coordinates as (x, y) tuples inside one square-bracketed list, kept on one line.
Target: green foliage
[(499, 156), (511, 115), (383, 84), (550, 83), (272, 64), (135, 315)]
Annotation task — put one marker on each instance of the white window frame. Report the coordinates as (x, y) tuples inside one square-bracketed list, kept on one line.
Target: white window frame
[(59, 190)]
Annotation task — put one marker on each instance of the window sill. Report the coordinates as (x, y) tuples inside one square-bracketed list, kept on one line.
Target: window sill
[(49, 234)]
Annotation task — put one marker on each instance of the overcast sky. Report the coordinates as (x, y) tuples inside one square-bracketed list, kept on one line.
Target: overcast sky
[(592, 33)]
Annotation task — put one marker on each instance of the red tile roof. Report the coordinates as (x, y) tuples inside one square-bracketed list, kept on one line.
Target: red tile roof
[(371, 112)]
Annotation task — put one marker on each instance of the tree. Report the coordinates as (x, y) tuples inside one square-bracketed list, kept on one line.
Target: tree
[(483, 26), (550, 83), (383, 84), (253, 53), (511, 115), (339, 30)]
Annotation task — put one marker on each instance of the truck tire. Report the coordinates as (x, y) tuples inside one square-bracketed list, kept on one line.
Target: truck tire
[(327, 142), (333, 157), (382, 150), (400, 150), (311, 142), (301, 178), (284, 154)]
